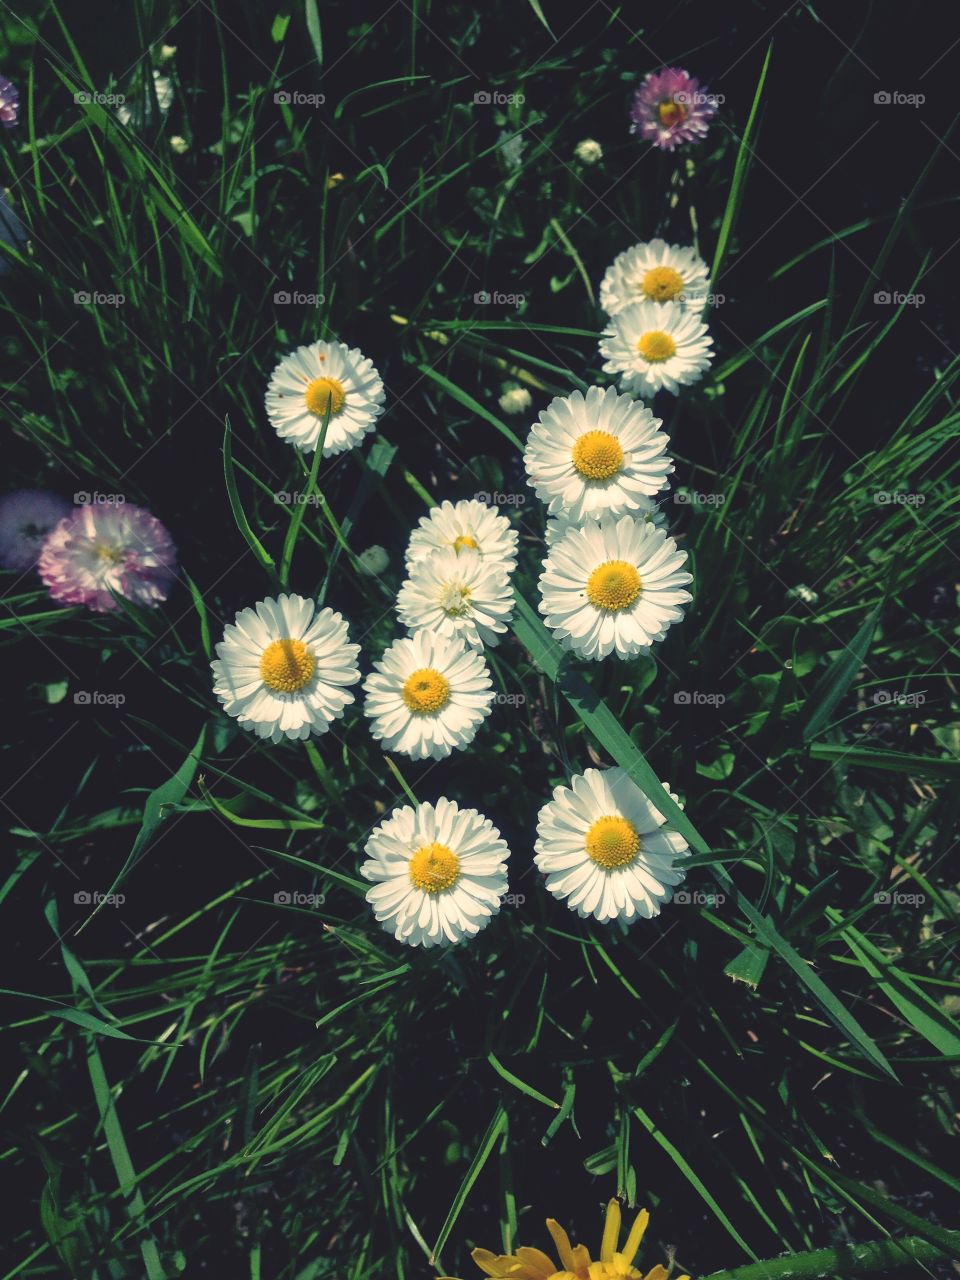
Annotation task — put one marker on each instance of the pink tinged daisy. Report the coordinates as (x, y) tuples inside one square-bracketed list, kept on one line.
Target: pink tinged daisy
[(102, 551), (9, 103), (458, 593), (604, 848), (26, 517), (655, 272), (613, 586), (284, 667), (670, 108), (439, 873), (464, 526), (311, 380), (428, 696), (595, 455), (654, 345)]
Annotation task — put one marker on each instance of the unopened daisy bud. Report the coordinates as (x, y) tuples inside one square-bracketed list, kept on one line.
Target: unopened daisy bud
[(334, 180), (803, 593), (515, 399), (373, 561), (589, 151), (178, 144), (167, 51)]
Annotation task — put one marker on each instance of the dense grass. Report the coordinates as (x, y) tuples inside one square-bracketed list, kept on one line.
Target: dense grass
[(206, 1079)]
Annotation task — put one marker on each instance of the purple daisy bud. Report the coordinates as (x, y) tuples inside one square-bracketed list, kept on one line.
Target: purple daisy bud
[(670, 108), (105, 550), (26, 517), (9, 103)]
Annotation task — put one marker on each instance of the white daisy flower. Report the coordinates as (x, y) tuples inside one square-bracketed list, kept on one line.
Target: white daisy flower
[(458, 593), (650, 345), (613, 586), (283, 667), (429, 694), (655, 272), (589, 151), (464, 526), (603, 847), (646, 510), (515, 399), (305, 382), (440, 873), (594, 455)]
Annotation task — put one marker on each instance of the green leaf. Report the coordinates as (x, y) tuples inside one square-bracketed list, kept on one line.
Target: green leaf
[(243, 524), (839, 676), (496, 1127)]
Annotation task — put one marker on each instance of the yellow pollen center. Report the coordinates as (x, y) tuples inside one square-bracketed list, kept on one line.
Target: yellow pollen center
[(656, 346), (671, 112), (465, 542), (614, 586), (597, 455), (287, 666), (455, 599), (434, 868), (322, 392), (112, 555), (426, 692), (662, 284), (612, 842)]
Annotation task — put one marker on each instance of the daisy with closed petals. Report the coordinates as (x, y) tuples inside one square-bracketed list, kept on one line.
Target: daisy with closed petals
[(613, 586), (283, 668), (457, 593), (440, 873), (102, 551), (429, 695), (575, 1262), (464, 526), (603, 847), (670, 108), (311, 380), (595, 455), (655, 272), (650, 345)]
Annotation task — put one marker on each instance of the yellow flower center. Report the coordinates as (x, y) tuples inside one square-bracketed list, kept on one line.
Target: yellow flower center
[(455, 599), (322, 392), (662, 284), (612, 842), (111, 555), (614, 586), (656, 346), (426, 692), (671, 112), (286, 666), (465, 542), (434, 868), (597, 455)]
